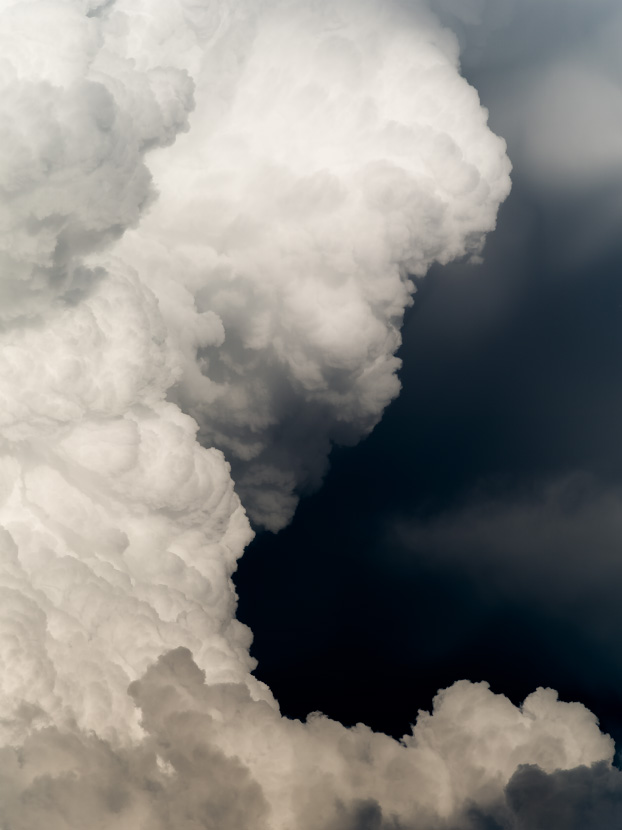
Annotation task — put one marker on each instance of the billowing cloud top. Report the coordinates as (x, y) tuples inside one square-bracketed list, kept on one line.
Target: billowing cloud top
[(332, 152)]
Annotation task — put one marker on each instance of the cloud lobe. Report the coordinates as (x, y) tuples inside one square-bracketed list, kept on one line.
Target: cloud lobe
[(297, 209), (332, 152)]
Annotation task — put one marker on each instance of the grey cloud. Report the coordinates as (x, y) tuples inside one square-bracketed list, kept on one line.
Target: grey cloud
[(585, 797), (72, 128), (558, 541), (559, 70), (100, 477), (319, 775), (212, 757), (505, 32), (550, 74), (61, 780), (364, 815), (554, 550)]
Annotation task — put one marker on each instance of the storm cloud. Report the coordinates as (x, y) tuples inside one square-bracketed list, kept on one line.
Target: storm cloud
[(238, 292)]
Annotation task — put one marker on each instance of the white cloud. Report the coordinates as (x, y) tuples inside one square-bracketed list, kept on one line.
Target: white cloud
[(76, 123), (296, 209), (213, 757), (312, 180), (119, 532), (334, 151)]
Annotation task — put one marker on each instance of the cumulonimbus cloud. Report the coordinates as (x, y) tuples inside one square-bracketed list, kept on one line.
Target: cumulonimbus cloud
[(332, 152), (292, 218)]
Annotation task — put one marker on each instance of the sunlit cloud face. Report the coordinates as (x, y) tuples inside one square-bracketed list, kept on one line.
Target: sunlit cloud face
[(323, 154), (293, 215)]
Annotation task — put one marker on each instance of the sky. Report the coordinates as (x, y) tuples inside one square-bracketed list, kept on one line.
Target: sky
[(476, 532), (309, 482)]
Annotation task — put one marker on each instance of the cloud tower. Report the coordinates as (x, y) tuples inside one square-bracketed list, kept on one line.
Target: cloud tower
[(211, 217)]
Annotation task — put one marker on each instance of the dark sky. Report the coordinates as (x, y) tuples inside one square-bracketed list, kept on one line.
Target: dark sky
[(475, 533)]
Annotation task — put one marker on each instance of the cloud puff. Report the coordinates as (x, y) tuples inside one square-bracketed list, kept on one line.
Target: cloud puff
[(326, 160), (587, 796), (213, 757), (334, 153), (569, 799), (119, 533), (77, 119), (172, 780)]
